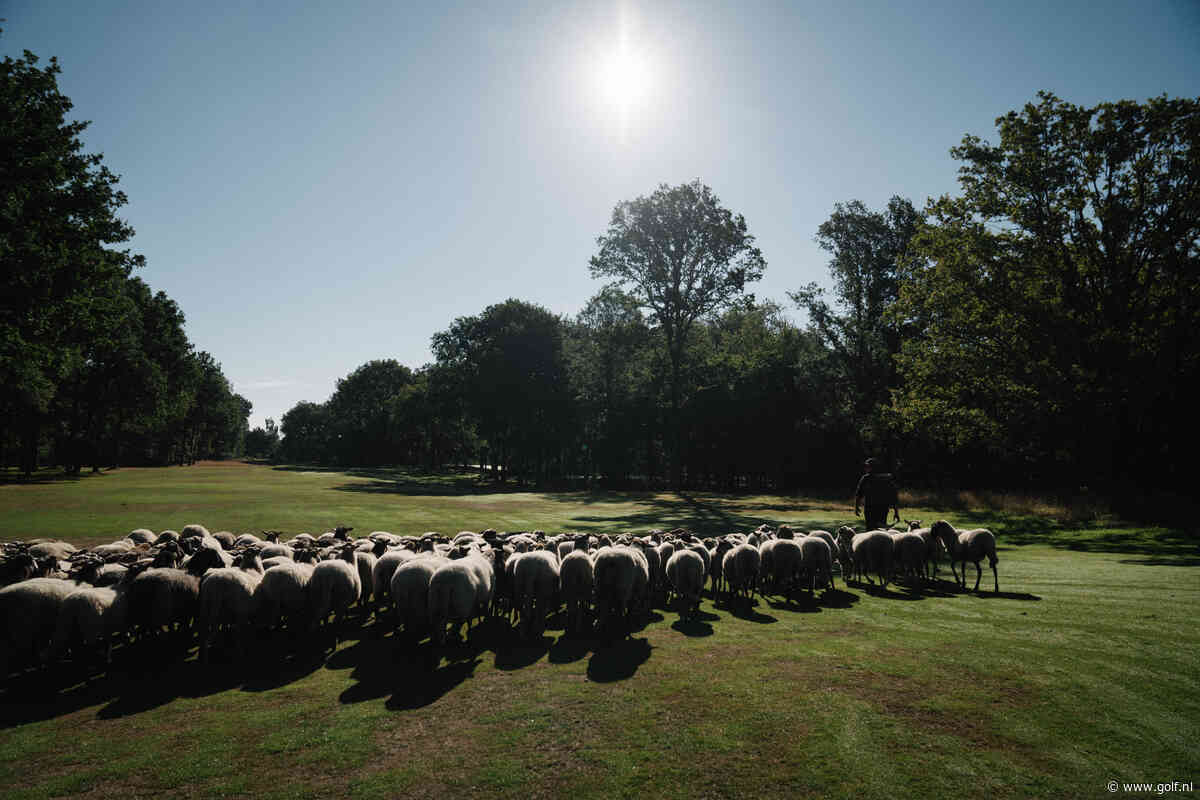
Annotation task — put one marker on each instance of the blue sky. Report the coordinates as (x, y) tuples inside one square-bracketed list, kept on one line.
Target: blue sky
[(322, 184)]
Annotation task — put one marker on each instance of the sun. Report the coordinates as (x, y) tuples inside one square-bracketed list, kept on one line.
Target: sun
[(624, 78)]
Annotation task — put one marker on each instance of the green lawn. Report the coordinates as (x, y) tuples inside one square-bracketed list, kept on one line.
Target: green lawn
[(1085, 669)]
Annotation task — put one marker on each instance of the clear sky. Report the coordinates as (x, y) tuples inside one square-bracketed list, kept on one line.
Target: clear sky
[(322, 184)]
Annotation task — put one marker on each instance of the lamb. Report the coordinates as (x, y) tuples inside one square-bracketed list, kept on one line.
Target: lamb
[(28, 617), (621, 577), (816, 563), (685, 573), (577, 582), (227, 597), (334, 586), (535, 585), (963, 546), (740, 570), (459, 591)]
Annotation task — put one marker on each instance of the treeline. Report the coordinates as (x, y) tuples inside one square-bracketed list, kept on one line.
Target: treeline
[(95, 367), (1038, 330)]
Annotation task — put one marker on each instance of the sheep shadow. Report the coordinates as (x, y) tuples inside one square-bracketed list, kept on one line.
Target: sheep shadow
[(570, 648), (618, 661), (799, 604), (747, 612), (838, 598), (268, 674), (1006, 596), (692, 627), (522, 654), (421, 689)]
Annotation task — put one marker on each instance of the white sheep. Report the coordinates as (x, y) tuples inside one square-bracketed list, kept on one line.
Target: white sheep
[(909, 554), (685, 573), (621, 576), (971, 545), (142, 536), (283, 594), (459, 591), (872, 552), (779, 564), (227, 598), (409, 591), (28, 616), (740, 568), (335, 585), (382, 572), (577, 583), (91, 616), (535, 589), (816, 563)]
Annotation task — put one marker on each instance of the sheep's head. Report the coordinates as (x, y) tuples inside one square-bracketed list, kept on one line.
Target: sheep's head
[(785, 532), (342, 532), (913, 524)]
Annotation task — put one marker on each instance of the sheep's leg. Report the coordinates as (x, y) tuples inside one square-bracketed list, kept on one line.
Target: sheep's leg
[(996, 576), (978, 575)]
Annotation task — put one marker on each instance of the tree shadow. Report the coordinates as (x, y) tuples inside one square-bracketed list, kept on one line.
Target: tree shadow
[(618, 661)]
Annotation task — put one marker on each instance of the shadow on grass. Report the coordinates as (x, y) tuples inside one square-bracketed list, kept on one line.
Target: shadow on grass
[(570, 648), (692, 627), (618, 661)]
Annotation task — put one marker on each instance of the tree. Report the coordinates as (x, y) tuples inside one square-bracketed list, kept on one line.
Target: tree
[(57, 219), (682, 256), (868, 249), (263, 442), (359, 412), (1054, 306), (509, 372)]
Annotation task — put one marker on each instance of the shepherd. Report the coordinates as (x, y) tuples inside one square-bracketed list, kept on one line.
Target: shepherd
[(877, 492)]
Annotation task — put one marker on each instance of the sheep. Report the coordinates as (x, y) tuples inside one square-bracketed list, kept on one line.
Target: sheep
[(460, 590), (168, 596), (142, 536), (716, 559), (740, 570), (382, 572), (621, 577), (827, 536), (59, 551), (971, 545), (194, 531), (334, 586), (816, 563), (409, 591), (282, 593), (226, 538), (535, 585), (227, 597), (28, 617), (909, 555), (872, 552), (365, 561), (780, 563), (576, 582), (685, 572), (93, 615), (844, 552)]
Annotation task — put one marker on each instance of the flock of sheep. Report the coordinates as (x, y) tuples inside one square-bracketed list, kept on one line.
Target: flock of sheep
[(182, 587)]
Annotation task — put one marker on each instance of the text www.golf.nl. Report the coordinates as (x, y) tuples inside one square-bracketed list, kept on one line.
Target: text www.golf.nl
[(1155, 788)]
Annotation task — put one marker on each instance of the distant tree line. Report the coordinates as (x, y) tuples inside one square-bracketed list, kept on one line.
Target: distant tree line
[(1039, 330), (95, 367)]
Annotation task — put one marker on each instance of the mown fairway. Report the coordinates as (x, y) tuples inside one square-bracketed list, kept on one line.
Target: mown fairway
[(1082, 671)]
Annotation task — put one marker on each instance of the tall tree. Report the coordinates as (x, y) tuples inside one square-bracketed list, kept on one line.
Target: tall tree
[(57, 221), (510, 374), (359, 412), (682, 256), (1055, 302), (868, 248)]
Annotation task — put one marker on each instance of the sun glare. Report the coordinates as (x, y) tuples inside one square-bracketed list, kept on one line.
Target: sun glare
[(624, 78), (624, 75)]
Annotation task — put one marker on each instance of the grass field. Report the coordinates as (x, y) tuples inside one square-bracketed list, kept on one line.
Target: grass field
[(1085, 669)]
